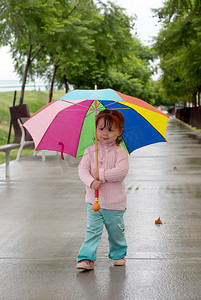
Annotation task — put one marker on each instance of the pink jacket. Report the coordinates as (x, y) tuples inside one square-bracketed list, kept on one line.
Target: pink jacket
[(113, 168)]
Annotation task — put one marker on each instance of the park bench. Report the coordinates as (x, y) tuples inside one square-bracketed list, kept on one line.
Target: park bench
[(15, 112), (23, 142), (7, 148)]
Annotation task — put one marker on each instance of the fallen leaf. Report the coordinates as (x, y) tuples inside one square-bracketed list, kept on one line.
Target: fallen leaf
[(158, 221)]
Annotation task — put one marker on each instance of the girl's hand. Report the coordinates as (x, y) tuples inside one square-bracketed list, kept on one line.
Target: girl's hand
[(95, 174), (96, 185)]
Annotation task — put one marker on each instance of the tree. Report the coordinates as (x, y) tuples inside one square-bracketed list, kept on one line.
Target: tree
[(81, 43), (110, 36), (132, 76), (178, 46), (24, 26), (70, 47)]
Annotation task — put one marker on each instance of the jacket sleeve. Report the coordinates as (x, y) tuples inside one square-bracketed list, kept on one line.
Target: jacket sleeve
[(84, 169), (119, 172)]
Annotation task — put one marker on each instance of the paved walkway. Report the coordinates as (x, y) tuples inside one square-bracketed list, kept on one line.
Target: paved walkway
[(43, 219)]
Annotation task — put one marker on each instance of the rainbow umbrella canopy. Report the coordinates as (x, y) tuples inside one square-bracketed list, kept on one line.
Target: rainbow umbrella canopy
[(67, 124)]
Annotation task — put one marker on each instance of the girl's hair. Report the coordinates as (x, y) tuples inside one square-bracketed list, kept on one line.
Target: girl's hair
[(112, 117)]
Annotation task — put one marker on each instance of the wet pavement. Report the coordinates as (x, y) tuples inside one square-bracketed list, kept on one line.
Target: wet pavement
[(43, 221)]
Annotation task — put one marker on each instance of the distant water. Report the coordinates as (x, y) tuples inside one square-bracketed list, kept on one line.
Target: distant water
[(15, 85)]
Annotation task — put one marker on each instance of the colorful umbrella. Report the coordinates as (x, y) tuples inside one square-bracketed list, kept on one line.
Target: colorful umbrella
[(67, 124)]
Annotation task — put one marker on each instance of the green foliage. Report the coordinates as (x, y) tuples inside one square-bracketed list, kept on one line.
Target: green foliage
[(83, 42), (178, 45), (106, 42), (22, 20), (25, 23)]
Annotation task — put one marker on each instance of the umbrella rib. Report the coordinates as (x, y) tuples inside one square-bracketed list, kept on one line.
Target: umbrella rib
[(78, 104), (109, 104), (118, 107), (77, 109), (99, 103), (92, 108), (102, 108), (89, 114)]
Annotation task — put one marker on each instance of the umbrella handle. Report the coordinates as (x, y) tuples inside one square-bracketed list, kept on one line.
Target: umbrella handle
[(62, 150), (96, 205), (96, 195)]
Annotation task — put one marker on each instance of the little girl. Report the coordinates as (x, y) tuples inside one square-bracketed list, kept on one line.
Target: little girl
[(113, 168)]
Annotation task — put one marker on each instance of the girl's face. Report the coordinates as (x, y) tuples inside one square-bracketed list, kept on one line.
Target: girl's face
[(107, 135)]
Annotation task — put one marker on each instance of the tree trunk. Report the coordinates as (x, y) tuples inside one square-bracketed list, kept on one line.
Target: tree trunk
[(199, 95), (29, 61), (25, 75), (194, 98), (52, 81), (66, 84)]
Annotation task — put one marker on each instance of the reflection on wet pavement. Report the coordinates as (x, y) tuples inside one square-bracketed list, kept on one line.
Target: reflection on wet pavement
[(43, 221)]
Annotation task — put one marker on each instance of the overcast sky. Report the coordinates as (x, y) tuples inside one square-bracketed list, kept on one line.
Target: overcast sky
[(146, 28), (146, 25)]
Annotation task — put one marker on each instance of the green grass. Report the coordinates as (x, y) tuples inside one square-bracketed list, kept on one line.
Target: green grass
[(35, 100), (190, 127)]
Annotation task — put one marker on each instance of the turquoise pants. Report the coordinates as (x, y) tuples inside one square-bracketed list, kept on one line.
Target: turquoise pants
[(114, 223)]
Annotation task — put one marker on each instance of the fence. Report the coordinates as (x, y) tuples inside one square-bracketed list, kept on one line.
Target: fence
[(190, 115)]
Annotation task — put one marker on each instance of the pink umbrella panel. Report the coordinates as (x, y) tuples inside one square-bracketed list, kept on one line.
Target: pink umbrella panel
[(58, 126)]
